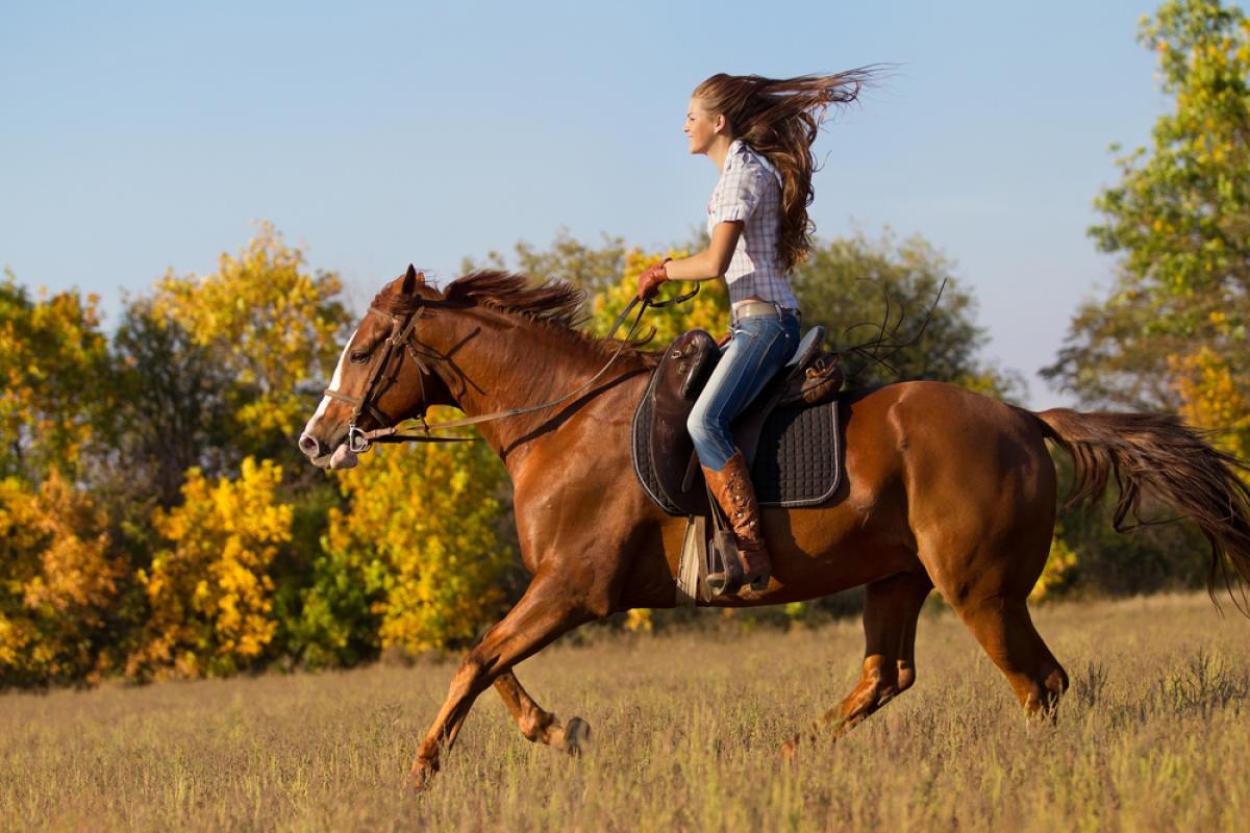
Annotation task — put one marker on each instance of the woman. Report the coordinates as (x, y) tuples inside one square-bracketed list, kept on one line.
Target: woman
[(758, 132)]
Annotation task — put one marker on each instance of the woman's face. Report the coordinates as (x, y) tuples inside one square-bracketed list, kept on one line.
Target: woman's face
[(702, 126)]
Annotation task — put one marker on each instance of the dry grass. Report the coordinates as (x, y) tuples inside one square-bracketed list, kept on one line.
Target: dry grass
[(1153, 736)]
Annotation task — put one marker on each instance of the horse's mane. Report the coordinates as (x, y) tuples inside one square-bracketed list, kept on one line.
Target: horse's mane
[(552, 303)]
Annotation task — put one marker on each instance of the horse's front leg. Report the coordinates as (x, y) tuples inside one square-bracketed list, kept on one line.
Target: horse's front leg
[(546, 611), (536, 723)]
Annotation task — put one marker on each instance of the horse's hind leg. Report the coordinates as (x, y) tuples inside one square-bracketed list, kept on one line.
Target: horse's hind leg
[(1003, 627), (535, 723), (891, 608)]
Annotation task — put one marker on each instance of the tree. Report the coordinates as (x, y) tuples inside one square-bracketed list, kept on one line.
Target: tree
[(708, 310), (1171, 333), (171, 408), (58, 580), (54, 367), (863, 290), (1174, 324), (270, 325), (414, 561), (209, 588), (568, 259)]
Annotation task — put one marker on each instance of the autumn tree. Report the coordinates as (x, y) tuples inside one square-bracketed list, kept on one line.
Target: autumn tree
[(268, 323), (210, 588), (415, 559), (58, 582), (54, 367)]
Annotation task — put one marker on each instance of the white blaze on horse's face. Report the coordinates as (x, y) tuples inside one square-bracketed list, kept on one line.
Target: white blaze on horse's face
[(341, 457)]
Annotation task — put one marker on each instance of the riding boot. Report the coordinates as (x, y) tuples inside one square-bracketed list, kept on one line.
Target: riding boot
[(732, 488)]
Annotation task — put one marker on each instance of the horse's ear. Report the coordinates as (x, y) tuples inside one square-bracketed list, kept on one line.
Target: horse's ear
[(412, 278)]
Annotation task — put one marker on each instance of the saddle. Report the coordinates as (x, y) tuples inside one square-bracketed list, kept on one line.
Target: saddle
[(789, 434)]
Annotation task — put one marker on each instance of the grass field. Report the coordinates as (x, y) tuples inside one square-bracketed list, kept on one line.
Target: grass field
[(1154, 735)]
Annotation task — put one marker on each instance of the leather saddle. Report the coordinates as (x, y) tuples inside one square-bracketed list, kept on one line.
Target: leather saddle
[(663, 452)]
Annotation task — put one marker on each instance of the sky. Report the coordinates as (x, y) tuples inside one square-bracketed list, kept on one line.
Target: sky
[(137, 138)]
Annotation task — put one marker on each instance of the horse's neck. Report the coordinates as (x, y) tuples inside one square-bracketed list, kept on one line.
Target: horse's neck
[(504, 361)]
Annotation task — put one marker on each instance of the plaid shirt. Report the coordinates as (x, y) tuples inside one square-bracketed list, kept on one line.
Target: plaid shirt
[(750, 190)]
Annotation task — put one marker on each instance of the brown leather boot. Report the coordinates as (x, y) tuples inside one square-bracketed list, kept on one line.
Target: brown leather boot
[(732, 488)]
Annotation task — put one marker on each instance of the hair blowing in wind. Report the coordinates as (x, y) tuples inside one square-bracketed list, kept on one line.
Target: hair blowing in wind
[(780, 118)]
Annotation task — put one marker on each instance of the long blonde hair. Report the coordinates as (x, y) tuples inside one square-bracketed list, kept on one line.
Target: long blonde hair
[(779, 118)]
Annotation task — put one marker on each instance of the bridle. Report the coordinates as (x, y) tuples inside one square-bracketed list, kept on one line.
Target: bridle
[(402, 341)]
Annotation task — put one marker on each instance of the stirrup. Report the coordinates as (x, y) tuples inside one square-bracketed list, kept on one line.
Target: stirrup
[(731, 578), (728, 580)]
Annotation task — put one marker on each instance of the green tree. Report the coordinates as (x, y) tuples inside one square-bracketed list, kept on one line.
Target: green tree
[(171, 409), (1171, 333), (863, 290), (1174, 323), (567, 259)]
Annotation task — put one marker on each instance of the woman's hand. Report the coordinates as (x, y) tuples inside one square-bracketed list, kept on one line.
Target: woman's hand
[(649, 281)]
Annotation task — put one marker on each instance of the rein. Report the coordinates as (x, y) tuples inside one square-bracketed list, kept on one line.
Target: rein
[(402, 338)]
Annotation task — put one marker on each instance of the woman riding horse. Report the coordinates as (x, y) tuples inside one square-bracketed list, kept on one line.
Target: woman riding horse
[(758, 132)]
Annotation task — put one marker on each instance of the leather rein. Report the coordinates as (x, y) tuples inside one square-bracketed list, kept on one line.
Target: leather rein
[(402, 340)]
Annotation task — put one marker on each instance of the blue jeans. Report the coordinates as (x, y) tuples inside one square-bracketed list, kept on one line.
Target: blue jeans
[(758, 347)]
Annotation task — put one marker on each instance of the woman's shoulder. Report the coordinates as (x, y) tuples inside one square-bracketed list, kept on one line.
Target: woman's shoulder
[(744, 158)]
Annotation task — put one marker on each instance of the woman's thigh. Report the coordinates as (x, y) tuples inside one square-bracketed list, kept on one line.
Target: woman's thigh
[(757, 350)]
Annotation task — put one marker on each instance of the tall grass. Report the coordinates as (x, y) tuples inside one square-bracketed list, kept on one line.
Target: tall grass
[(1154, 735)]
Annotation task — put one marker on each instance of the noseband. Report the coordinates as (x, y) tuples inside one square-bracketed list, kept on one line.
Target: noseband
[(402, 340)]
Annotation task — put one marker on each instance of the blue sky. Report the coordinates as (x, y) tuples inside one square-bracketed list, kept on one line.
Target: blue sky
[(140, 137)]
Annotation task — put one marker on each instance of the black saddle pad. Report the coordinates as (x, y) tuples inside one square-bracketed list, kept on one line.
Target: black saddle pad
[(798, 461)]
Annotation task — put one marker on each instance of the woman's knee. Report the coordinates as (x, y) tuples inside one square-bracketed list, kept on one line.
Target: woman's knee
[(701, 426)]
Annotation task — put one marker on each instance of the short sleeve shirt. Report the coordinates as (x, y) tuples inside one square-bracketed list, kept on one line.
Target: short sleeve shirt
[(749, 190)]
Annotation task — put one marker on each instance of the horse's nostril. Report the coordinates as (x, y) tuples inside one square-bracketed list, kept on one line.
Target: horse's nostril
[(309, 445)]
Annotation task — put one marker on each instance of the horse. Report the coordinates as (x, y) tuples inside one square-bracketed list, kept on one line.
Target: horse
[(944, 488)]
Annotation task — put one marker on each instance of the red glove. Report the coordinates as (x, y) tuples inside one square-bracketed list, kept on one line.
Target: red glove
[(650, 280)]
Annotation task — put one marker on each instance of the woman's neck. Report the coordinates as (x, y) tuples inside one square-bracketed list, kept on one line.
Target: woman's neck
[(719, 149)]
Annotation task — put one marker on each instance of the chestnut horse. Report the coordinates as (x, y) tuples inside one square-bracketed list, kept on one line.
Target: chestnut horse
[(943, 488)]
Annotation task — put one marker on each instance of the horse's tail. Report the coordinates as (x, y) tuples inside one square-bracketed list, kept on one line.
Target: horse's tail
[(1159, 454)]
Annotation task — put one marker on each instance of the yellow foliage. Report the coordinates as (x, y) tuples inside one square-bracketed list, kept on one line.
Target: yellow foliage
[(1212, 398), (51, 360), (57, 579), (274, 325), (423, 531), (1059, 565), (709, 310), (210, 592), (638, 619)]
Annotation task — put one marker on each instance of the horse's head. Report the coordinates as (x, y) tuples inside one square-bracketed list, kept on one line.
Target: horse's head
[(384, 375)]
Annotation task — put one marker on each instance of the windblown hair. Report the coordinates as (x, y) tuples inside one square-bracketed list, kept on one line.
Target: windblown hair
[(553, 302), (780, 119)]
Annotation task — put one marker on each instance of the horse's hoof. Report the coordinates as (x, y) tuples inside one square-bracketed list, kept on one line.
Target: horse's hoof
[(576, 736), (421, 775)]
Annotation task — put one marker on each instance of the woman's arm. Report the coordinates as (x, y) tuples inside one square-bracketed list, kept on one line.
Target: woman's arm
[(712, 261)]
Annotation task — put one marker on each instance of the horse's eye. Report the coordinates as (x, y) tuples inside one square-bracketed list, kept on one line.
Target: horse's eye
[(358, 357)]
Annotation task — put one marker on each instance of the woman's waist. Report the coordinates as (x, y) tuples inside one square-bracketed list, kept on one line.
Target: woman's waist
[(757, 307)]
